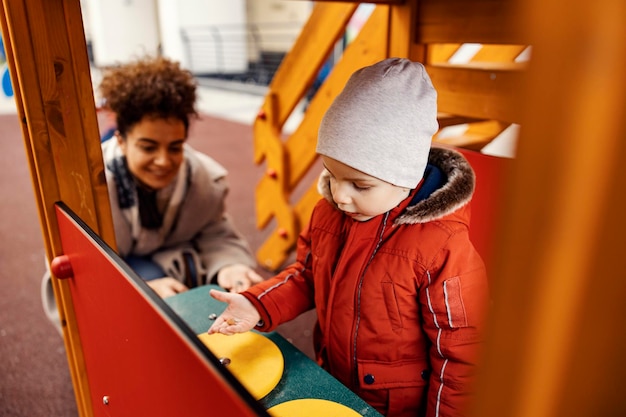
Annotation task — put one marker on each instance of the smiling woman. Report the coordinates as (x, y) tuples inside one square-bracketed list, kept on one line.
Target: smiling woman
[(167, 199)]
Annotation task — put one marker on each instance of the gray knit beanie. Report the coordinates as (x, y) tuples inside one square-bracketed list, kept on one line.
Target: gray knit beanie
[(382, 122)]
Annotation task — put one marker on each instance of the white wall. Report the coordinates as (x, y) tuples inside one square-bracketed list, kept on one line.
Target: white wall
[(216, 29), (169, 26), (280, 21), (121, 30), (276, 11)]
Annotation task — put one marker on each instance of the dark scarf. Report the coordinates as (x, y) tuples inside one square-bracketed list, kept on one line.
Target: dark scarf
[(127, 184)]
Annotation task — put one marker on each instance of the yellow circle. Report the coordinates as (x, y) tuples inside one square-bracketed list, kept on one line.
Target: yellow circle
[(252, 358), (311, 407)]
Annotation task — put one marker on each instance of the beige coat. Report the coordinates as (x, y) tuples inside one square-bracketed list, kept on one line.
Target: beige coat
[(196, 221)]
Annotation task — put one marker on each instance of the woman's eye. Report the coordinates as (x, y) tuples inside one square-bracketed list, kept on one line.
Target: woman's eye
[(147, 148)]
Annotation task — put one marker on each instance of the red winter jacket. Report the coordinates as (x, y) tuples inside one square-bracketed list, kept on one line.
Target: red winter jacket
[(399, 298)]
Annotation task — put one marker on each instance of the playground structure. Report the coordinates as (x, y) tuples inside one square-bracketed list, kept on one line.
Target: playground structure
[(474, 95), (558, 229)]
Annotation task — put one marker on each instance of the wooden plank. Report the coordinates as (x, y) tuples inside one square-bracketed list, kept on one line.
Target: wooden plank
[(270, 194), (441, 52), (276, 249), (53, 89), (487, 55), (402, 30), (475, 136), (488, 65), (498, 53), (466, 21), (447, 119), (293, 78), (559, 304), (479, 93), (87, 118), (55, 109), (288, 162), (369, 47), (28, 96), (298, 69)]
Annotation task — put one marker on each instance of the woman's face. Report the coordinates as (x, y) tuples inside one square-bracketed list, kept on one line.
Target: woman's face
[(154, 150)]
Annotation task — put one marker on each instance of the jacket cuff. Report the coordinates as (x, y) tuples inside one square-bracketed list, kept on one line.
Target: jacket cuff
[(265, 323)]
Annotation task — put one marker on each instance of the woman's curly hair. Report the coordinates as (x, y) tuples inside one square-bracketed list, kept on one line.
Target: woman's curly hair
[(154, 87)]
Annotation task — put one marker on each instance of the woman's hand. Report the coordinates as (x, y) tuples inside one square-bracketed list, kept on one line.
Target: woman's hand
[(239, 317), (237, 277), (167, 286)]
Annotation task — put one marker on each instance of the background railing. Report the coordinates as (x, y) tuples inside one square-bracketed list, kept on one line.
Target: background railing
[(248, 53)]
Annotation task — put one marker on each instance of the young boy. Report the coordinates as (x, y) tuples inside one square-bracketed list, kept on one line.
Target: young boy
[(386, 259)]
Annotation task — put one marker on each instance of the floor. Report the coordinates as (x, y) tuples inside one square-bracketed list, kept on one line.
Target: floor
[(34, 374)]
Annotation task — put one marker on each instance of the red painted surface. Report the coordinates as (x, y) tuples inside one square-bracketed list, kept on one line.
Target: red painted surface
[(490, 175), (139, 361)]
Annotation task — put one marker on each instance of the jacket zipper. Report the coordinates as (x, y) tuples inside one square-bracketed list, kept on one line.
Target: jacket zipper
[(358, 305)]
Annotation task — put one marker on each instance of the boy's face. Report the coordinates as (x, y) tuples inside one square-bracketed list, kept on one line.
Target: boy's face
[(154, 150), (359, 195)]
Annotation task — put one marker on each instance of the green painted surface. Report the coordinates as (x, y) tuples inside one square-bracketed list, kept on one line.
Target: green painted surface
[(302, 377)]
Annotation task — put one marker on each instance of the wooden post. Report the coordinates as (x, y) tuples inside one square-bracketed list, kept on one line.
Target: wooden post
[(47, 56), (557, 326)]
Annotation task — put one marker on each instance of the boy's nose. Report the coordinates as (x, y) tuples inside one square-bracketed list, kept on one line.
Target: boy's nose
[(340, 195)]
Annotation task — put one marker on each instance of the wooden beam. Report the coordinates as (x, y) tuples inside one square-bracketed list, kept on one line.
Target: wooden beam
[(402, 31), (475, 137), (47, 57), (466, 21), (498, 53), (301, 64), (447, 119), (440, 53), (369, 47), (290, 160), (556, 340), (478, 93)]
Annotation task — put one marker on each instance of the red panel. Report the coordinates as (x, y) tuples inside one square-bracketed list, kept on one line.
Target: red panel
[(138, 354), (490, 174)]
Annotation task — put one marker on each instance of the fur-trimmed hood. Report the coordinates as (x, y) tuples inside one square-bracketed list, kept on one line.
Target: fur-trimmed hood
[(448, 185)]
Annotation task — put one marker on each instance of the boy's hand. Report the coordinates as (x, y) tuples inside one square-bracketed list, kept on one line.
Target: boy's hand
[(240, 315)]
